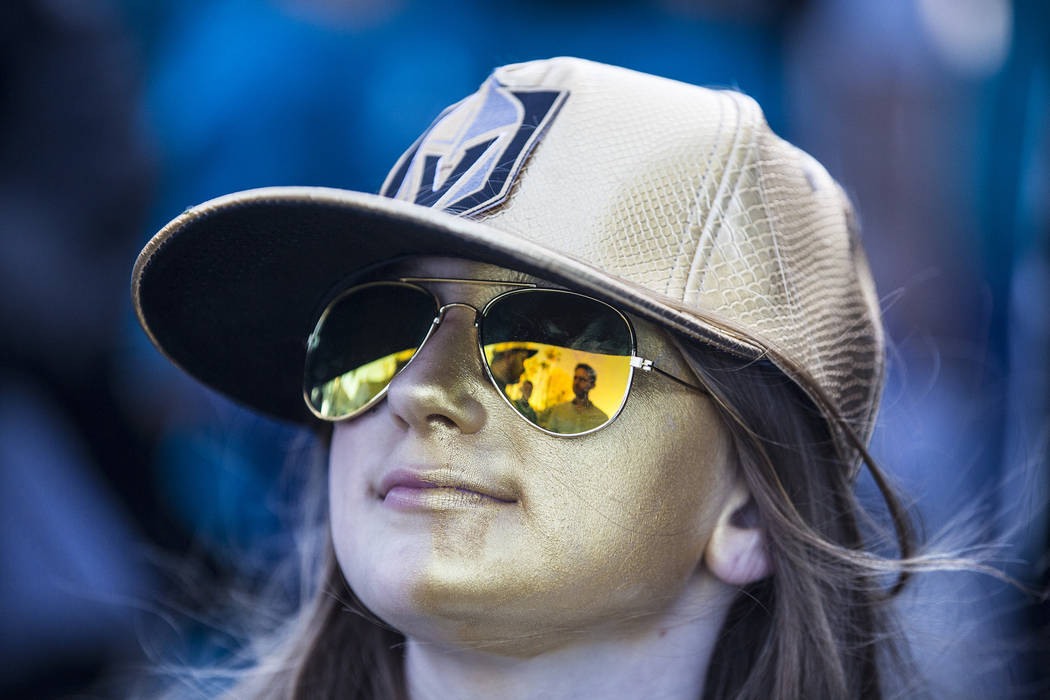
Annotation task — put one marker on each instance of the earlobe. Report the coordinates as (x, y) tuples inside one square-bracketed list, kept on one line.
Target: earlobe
[(736, 552)]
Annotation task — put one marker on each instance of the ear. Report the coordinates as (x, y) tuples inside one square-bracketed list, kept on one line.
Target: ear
[(736, 552)]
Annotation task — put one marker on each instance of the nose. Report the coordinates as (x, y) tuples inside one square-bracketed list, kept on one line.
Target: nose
[(444, 383)]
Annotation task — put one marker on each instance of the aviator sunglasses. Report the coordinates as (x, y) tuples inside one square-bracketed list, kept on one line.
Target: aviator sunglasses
[(563, 361)]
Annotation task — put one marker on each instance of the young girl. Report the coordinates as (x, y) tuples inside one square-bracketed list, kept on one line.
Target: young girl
[(599, 367)]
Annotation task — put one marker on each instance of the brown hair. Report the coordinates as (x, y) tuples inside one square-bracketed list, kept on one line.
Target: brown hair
[(819, 627)]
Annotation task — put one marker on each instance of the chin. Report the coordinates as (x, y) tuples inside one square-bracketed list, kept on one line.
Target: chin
[(497, 612)]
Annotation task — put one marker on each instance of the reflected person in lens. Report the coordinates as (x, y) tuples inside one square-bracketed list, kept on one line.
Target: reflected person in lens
[(507, 366), (522, 404), (578, 415)]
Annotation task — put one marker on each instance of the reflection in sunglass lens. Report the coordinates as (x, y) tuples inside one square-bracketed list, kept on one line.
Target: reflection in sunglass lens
[(361, 341), (562, 359)]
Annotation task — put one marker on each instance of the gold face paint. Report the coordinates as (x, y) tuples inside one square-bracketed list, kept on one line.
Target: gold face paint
[(528, 540)]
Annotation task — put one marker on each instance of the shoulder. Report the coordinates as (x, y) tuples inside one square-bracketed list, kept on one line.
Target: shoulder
[(593, 410)]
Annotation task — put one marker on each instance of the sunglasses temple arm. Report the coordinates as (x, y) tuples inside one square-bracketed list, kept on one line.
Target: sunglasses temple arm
[(684, 383)]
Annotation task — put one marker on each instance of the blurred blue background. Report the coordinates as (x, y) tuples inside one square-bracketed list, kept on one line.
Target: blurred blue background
[(118, 114)]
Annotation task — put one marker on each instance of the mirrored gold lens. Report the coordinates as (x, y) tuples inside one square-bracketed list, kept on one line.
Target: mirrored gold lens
[(361, 342), (563, 360), (343, 395)]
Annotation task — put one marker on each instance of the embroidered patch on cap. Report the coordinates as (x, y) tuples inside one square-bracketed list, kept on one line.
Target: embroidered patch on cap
[(467, 160)]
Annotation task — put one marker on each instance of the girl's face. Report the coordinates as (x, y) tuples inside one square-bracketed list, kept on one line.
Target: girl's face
[(530, 540)]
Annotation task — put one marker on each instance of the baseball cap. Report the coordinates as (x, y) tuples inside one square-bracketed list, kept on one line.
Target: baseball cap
[(673, 202)]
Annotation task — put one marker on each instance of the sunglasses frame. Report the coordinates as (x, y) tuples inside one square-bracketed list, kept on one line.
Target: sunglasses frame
[(635, 361)]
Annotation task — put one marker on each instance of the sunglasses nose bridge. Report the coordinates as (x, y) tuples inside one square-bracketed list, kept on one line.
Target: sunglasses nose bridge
[(453, 304), (441, 311)]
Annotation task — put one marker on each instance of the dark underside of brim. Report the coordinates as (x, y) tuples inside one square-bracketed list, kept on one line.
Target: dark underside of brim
[(231, 295)]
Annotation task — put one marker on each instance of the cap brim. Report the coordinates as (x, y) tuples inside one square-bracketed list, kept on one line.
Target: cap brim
[(230, 289)]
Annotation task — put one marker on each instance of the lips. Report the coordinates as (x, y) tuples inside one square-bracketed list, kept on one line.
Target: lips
[(404, 483)]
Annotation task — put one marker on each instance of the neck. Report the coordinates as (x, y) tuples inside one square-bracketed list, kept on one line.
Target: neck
[(666, 656)]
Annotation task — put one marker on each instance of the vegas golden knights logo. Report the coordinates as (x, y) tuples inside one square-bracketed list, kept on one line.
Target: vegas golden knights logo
[(467, 160)]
